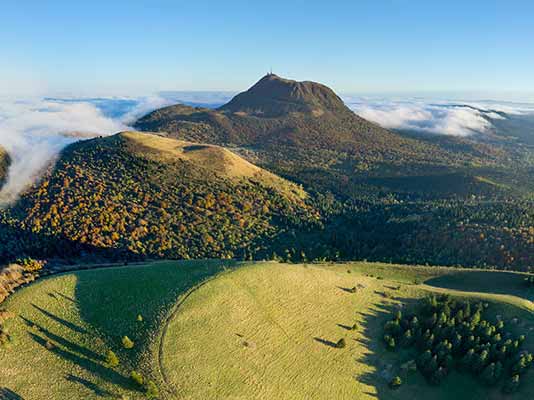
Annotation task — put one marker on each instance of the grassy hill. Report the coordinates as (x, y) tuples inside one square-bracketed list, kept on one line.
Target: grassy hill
[(138, 194), (261, 330)]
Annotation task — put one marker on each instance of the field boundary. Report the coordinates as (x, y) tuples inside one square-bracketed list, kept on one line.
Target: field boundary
[(163, 331)]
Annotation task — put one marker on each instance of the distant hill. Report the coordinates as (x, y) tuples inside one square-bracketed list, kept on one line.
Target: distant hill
[(304, 131), (143, 194)]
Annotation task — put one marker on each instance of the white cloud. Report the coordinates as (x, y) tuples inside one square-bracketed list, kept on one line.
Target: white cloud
[(144, 106), (33, 132), (439, 117)]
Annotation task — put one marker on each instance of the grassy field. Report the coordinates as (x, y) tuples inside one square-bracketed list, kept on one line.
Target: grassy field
[(83, 315), (256, 331), (267, 332)]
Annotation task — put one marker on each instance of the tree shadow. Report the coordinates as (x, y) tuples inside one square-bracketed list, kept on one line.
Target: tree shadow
[(97, 390), (385, 364), (325, 342), (70, 346), (63, 296), (346, 327), (89, 365), (62, 321), (495, 282), (351, 290), (8, 394)]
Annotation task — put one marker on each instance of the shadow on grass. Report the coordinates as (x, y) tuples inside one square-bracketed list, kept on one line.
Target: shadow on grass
[(325, 342), (347, 290), (57, 294), (8, 394), (110, 300), (385, 364), (89, 385), (83, 362), (62, 321), (494, 282), (346, 327), (70, 346)]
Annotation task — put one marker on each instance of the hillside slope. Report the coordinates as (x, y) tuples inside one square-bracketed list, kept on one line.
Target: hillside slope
[(140, 194), (303, 130)]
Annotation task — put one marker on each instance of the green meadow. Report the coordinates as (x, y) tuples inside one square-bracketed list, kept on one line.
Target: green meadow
[(226, 330)]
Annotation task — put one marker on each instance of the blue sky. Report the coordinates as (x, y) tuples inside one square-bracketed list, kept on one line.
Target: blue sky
[(138, 47)]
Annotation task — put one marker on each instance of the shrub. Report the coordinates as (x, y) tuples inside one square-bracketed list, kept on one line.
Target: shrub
[(395, 383), (127, 343), (137, 378), (152, 391), (111, 359), (31, 265), (139, 318), (341, 343)]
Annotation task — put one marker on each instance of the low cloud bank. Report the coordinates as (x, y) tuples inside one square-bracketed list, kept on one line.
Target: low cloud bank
[(438, 117), (34, 131)]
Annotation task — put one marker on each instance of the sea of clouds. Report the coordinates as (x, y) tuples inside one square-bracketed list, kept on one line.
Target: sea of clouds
[(442, 117), (33, 131)]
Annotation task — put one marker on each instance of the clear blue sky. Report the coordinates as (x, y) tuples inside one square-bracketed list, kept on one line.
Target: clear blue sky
[(129, 47)]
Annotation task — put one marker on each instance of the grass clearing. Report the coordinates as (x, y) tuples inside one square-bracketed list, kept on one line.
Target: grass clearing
[(262, 331), (269, 331), (85, 314)]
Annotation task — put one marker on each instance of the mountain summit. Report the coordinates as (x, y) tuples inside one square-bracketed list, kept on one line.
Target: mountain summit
[(275, 96)]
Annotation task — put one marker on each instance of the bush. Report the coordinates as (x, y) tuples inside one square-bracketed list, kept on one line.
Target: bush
[(341, 343), (395, 383), (111, 359), (137, 378), (152, 391), (31, 265), (127, 343)]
